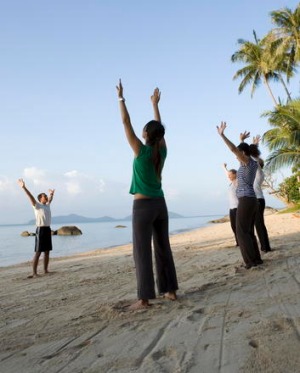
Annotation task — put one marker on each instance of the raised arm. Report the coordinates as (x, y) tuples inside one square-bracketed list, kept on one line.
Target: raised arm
[(132, 139), (225, 169), (240, 155), (155, 98), (51, 195), (21, 183)]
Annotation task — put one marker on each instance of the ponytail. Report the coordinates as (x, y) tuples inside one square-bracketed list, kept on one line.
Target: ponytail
[(155, 133), (156, 158)]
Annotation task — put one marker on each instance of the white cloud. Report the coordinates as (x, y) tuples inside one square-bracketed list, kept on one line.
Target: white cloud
[(37, 176), (72, 174), (82, 183), (73, 188), (5, 183)]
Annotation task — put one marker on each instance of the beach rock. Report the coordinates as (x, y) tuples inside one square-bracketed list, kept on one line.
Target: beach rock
[(270, 210), (68, 231), (25, 234), (221, 220)]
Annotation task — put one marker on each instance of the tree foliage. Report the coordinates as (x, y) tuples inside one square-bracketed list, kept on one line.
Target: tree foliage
[(275, 58)]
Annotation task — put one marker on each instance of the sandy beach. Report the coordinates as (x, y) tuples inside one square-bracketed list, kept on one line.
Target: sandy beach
[(225, 320)]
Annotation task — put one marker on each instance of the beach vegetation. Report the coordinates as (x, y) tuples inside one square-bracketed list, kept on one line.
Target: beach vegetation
[(283, 139), (275, 58), (290, 187)]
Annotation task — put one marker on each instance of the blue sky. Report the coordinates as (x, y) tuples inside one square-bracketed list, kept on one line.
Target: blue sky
[(60, 122)]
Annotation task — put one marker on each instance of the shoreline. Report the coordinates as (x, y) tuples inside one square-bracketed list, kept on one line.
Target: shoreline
[(54, 255), (76, 319)]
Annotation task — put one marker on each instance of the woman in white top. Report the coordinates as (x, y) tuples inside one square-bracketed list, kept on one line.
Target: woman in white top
[(260, 226), (233, 200)]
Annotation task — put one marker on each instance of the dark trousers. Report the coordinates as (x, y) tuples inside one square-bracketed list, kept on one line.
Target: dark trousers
[(245, 217), (232, 216), (260, 227), (43, 239), (150, 221)]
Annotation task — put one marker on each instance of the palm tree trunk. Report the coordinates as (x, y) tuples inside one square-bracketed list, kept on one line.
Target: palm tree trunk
[(285, 88), (270, 91)]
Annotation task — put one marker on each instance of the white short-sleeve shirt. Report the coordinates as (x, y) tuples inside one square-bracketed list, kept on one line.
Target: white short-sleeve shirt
[(42, 215)]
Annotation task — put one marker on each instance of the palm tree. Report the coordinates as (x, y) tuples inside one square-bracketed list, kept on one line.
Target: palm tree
[(283, 140), (278, 62), (257, 66), (287, 32)]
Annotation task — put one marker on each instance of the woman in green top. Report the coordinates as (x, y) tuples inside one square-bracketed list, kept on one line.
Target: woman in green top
[(150, 215)]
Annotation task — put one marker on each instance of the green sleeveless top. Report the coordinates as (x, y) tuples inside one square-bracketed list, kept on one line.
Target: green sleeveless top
[(144, 179)]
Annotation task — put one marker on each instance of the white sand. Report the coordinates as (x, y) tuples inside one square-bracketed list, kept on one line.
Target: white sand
[(75, 319)]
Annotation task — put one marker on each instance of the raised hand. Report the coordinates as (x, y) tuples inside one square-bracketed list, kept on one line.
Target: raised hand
[(21, 183), (256, 139), (156, 96), (120, 89), (221, 129), (244, 136)]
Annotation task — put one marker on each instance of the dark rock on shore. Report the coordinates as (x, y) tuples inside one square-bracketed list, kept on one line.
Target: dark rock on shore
[(27, 234), (68, 231)]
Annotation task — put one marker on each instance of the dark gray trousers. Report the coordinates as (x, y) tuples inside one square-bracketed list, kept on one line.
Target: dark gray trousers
[(150, 221), (245, 217), (232, 216), (260, 227)]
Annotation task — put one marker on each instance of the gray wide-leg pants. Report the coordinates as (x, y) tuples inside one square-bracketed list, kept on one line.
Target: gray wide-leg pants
[(245, 218), (150, 221)]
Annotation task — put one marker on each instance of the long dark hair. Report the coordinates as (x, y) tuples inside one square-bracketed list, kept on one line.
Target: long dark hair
[(155, 132), (249, 149)]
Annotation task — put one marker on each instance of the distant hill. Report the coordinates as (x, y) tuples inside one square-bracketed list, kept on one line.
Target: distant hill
[(74, 218)]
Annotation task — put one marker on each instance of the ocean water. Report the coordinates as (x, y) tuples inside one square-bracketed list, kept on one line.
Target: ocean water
[(15, 249)]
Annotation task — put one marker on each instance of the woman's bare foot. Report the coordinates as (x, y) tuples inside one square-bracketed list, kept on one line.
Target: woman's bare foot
[(34, 275), (171, 295), (139, 305)]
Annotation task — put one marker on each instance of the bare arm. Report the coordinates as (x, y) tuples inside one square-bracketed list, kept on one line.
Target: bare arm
[(155, 98), (21, 183), (132, 139), (225, 169), (51, 194), (240, 155)]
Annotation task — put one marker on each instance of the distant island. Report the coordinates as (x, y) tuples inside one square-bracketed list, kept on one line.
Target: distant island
[(74, 218)]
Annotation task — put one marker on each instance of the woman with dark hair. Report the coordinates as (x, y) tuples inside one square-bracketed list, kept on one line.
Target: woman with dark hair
[(247, 204), (150, 215)]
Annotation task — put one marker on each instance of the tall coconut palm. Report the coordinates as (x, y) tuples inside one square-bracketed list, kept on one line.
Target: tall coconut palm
[(278, 62), (257, 67), (287, 32), (283, 140)]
